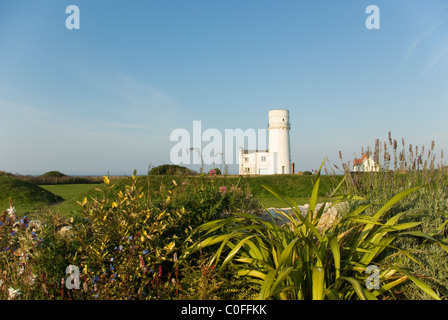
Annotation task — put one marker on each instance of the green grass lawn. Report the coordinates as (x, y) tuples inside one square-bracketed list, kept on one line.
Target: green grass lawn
[(71, 193), (277, 203), (62, 198)]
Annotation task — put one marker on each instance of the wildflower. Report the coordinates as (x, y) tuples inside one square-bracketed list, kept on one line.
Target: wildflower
[(223, 189), (13, 293), (184, 183), (1, 223), (130, 238), (95, 279), (142, 263), (212, 172), (112, 268), (120, 247), (11, 211), (146, 251), (170, 246)]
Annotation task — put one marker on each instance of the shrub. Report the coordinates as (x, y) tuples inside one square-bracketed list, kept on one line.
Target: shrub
[(53, 174), (32, 257), (403, 167), (302, 262), (171, 169), (128, 242)]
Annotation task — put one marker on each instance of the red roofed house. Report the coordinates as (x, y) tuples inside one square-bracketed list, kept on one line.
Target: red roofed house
[(365, 164)]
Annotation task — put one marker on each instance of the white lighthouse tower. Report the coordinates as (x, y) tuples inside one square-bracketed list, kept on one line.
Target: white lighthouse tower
[(275, 160), (279, 127)]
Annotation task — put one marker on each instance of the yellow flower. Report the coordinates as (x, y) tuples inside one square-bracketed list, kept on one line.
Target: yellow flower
[(114, 205), (106, 180), (170, 246)]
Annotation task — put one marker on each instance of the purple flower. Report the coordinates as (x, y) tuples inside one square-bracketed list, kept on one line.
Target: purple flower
[(146, 251)]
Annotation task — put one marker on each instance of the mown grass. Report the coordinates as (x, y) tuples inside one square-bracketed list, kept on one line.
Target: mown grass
[(25, 196), (66, 196), (71, 193)]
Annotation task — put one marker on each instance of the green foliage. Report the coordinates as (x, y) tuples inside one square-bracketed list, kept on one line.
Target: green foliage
[(24, 194), (129, 240), (405, 167), (171, 169), (32, 256), (303, 261), (53, 174)]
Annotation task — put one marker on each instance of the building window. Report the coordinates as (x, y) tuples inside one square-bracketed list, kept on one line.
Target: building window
[(246, 159), (263, 158)]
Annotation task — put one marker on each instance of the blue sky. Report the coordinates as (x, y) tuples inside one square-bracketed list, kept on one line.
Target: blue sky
[(107, 96)]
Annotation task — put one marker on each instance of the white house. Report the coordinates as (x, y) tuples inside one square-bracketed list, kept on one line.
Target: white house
[(275, 160), (365, 164)]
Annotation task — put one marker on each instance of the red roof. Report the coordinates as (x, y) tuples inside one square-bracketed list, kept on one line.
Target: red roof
[(359, 161)]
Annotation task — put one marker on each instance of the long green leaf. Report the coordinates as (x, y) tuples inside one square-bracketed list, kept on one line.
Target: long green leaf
[(236, 249), (421, 285), (318, 277), (334, 246), (362, 293)]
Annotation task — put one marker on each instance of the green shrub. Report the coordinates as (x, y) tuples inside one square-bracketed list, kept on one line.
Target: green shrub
[(53, 174), (129, 241), (403, 167), (303, 261), (171, 169)]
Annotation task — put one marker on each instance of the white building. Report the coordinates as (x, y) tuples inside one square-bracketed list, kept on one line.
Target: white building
[(275, 160), (365, 164)]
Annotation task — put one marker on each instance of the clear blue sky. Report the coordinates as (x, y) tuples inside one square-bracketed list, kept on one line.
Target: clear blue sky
[(107, 96)]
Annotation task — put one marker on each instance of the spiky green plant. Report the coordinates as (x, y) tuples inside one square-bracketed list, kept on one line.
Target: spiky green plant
[(301, 260)]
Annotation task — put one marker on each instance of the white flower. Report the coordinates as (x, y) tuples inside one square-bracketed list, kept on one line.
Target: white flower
[(11, 211), (13, 293), (31, 279)]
